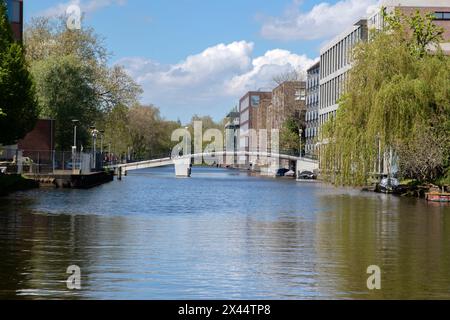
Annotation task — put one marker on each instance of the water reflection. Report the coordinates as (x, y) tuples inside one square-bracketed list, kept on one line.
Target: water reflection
[(221, 235)]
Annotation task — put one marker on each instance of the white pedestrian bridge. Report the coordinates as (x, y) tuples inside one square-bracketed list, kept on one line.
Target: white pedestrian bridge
[(183, 164)]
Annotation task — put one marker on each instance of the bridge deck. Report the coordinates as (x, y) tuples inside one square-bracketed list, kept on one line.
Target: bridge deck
[(169, 161)]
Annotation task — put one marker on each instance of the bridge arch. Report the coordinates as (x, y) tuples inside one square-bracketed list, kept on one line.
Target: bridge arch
[(183, 163)]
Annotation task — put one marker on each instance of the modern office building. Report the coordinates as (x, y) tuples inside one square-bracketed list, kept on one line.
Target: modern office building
[(15, 16), (335, 63), (312, 109), (335, 57)]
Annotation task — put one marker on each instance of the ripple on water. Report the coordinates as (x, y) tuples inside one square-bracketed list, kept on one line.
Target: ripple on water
[(221, 234)]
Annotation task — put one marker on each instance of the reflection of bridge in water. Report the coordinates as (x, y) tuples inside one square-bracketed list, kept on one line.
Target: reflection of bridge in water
[(183, 164)]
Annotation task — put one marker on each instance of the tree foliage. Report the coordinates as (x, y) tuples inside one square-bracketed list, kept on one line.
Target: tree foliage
[(424, 155), (399, 93), (65, 91), (18, 106), (73, 78), (293, 75), (289, 136), (139, 130)]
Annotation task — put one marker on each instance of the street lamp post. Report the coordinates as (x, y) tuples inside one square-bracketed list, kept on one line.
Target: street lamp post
[(109, 153), (95, 133), (102, 133), (75, 123), (74, 147), (300, 131)]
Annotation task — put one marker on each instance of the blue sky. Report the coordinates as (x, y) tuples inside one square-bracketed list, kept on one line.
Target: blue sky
[(200, 56)]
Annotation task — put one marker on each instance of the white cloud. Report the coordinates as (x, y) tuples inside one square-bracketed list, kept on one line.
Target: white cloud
[(87, 6), (212, 81), (324, 20)]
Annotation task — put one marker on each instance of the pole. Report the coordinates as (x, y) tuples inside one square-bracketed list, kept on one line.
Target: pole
[(74, 149), (95, 152), (300, 131), (75, 136)]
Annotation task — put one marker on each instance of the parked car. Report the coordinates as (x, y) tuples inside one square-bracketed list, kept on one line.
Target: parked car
[(70, 165), (307, 175), (290, 173), (281, 172)]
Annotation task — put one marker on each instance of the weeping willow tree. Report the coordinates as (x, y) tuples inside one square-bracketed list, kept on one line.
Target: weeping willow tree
[(397, 90)]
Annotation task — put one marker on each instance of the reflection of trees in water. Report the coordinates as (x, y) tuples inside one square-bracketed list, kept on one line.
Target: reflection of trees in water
[(14, 252), (37, 249), (405, 237)]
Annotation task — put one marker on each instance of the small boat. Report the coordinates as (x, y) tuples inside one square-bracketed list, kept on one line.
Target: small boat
[(388, 185), (438, 197)]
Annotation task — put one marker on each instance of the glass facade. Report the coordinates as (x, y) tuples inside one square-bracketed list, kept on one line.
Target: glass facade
[(335, 63), (312, 109)]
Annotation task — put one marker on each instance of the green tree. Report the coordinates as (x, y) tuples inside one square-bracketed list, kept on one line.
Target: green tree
[(289, 136), (398, 92), (46, 38), (116, 125), (418, 30), (65, 92), (18, 107), (74, 80), (140, 130)]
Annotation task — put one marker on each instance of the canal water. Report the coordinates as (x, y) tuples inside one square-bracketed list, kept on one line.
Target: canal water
[(221, 235)]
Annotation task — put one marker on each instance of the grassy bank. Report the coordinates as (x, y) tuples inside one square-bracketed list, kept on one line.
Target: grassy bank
[(12, 183)]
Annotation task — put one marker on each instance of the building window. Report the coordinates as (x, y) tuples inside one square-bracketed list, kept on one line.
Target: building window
[(255, 100), (300, 95), (13, 7), (244, 104), (442, 15)]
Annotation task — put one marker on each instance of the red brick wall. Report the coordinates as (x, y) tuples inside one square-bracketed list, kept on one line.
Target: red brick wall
[(17, 30), (40, 139)]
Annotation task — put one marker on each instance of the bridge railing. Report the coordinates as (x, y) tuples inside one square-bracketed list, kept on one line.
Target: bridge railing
[(288, 152), (256, 154)]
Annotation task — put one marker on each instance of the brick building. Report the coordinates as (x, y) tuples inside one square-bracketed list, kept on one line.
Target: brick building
[(288, 101), (15, 16), (249, 106), (40, 139)]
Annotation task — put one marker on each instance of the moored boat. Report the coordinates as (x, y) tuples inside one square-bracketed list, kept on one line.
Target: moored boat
[(438, 197)]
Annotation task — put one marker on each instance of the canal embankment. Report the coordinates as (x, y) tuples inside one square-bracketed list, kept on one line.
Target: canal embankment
[(70, 180), (10, 183)]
